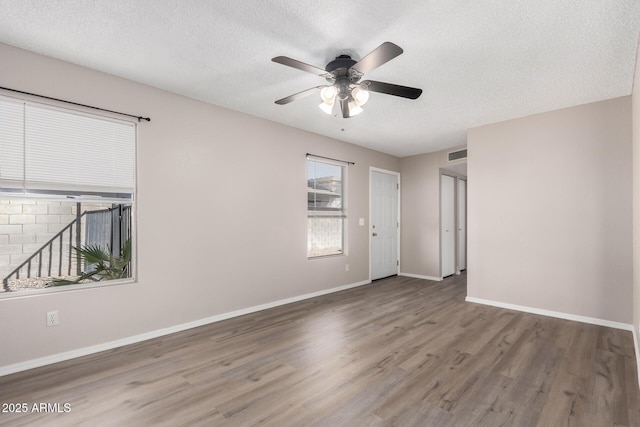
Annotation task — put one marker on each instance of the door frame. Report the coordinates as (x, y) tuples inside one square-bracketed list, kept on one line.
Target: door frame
[(369, 229), (455, 219), (466, 192)]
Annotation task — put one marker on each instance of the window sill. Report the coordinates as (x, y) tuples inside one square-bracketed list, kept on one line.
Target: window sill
[(67, 288), (326, 256)]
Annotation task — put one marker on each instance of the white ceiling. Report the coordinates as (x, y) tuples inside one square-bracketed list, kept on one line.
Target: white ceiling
[(478, 62)]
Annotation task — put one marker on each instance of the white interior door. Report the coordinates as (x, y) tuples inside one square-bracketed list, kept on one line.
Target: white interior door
[(384, 224), (462, 225), (447, 224)]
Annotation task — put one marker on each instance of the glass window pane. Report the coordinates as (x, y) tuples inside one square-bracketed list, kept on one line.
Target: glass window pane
[(41, 240), (325, 236), (324, 186)]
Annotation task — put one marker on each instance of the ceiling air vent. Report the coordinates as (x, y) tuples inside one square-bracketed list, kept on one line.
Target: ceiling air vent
[(457, 155)]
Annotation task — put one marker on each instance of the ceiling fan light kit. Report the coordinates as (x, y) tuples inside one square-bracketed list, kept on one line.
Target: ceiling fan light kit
[(354, 109), (328, 95), (344, 75), (326, 107), (360, 96)]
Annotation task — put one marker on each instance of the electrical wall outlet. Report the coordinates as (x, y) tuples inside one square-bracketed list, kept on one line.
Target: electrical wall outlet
[(52, 318), (346, 267)]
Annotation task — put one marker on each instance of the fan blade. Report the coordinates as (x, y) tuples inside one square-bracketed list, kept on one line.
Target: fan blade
[(380, 55), (344, 106), (391, 89), (301, 66), (299, 95)]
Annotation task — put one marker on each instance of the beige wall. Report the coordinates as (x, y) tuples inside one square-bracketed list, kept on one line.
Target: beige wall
[(420, 223), (245, 177), (550, 211), (636, 200)]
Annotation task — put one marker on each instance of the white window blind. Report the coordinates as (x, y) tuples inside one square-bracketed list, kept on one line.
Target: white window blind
[(45, 148), (11, 144)]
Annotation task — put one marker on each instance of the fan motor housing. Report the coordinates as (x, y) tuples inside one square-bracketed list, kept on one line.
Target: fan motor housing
[(340, 65)]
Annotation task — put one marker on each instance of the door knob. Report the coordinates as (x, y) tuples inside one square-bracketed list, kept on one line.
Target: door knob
[(374, 234)]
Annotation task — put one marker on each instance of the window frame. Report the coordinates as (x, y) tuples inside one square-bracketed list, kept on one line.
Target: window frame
[(343, 213), (54, 194)]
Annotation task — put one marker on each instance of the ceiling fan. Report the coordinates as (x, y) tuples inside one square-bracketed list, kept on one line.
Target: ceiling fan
[(344, 75)]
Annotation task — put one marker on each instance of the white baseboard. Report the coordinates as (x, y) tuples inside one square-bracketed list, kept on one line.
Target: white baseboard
[(419, 276), (60, 357), (558, 314)]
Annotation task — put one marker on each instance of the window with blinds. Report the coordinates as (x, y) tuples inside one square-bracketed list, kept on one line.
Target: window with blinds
[(46, 149), (67, 182), (326, 213)]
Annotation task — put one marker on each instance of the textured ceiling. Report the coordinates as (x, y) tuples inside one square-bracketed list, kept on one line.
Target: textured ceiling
[(478, 62)]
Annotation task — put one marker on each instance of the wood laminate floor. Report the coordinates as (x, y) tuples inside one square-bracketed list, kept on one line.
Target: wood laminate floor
[(400, 351)]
